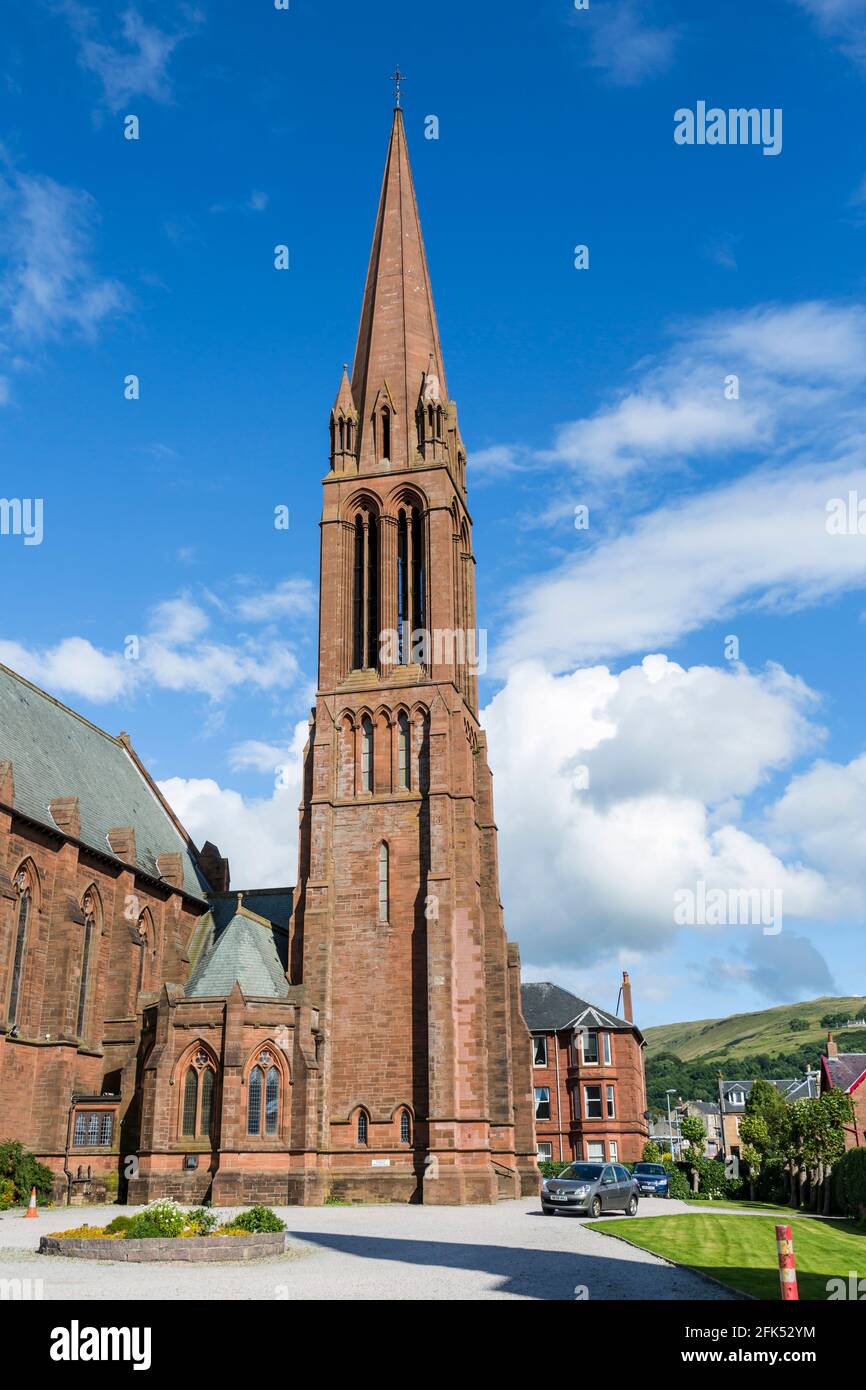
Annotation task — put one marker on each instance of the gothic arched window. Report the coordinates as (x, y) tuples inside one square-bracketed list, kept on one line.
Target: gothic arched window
[(365, 605), (362, 1127), (383, 883), (411, 599), (199, 1097), (89, 907), (366, 754), (22, 918), (264, 1083), (405, 1127), (386, 432), (403, 772)]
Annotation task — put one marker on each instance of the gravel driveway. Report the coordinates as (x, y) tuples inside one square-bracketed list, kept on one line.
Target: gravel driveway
[(379, 1252)]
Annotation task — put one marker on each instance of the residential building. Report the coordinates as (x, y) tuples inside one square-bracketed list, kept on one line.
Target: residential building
[(846, 1071), (587, 1075)]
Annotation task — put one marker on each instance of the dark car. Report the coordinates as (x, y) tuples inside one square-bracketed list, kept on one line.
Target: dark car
[(652, 1179), (592, 1188)]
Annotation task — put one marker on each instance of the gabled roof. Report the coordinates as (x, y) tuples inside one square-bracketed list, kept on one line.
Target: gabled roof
[(791, 1087), (847, 1071), (247, 949), (547, 1008), (57, 753)]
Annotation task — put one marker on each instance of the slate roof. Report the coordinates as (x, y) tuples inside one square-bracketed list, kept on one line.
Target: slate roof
[(846, 1070), (58, 753), (240, 946), (547, 1008), (791, 1087)]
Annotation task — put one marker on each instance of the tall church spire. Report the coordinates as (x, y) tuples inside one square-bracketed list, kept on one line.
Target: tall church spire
[(398, 335)]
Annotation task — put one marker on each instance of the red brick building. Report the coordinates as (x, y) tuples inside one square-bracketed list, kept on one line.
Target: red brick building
[(847, 1072), (588, 1076), (361, 1034)]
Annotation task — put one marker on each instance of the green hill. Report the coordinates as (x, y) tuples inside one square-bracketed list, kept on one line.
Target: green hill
[(744, 1035)]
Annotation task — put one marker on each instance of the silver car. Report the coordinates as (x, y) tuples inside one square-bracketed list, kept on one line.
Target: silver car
[(590, 1188)]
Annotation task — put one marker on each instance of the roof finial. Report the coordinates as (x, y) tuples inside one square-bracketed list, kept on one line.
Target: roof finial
[(397, 78)]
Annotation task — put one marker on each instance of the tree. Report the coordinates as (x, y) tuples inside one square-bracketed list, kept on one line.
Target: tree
[(692, 1129), (768, 1104), (798, 1025), (651, 1152), (755, 1134)]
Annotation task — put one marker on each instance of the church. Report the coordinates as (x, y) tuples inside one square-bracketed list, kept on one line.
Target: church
[(360, 1034)]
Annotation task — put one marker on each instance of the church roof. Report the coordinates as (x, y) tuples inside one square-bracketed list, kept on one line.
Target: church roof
[(247, 949), (398, 333), (547, 1007), (57, 753)]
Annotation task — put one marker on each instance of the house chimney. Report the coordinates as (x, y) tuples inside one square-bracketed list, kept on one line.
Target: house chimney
[(627, 1011), (832, 1046)]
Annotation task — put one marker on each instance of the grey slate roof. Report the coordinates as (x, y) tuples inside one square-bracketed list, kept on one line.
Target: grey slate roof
[(546, 1008), (791, 1087), (245, 949), (845, 1069), (56, 753)]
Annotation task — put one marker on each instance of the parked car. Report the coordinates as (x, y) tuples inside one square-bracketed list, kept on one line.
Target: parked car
[(592, 1188), (652, 1179)]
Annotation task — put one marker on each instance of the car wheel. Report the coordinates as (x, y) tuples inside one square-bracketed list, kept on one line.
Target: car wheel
[(595, 1208), (631, 1209), (549, 1211)]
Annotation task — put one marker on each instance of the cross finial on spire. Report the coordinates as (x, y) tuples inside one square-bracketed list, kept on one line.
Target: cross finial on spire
[(397, 78)]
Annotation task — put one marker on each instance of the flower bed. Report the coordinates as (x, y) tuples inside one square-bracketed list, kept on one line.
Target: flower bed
[(164, 1230)]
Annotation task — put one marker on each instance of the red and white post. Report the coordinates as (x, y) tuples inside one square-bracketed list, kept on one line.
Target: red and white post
[(787, 1268)]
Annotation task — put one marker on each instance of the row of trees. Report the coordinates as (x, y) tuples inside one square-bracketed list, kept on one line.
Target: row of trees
[(793, 1146)]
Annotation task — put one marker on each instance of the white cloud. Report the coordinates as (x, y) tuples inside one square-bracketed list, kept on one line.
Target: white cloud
[(50, 285), (759, 542), (624, 45), (135, 63), (822, 817), (789, 360), (73, 665), (287, 599), (665, 749), (171, 654), (258, 835), (844, 21)]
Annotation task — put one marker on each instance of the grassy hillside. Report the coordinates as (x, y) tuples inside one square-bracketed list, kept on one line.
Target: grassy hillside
[(743, 1035)]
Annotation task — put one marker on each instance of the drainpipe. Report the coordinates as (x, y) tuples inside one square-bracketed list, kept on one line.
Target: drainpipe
[(558, 1100), (66, 1168)]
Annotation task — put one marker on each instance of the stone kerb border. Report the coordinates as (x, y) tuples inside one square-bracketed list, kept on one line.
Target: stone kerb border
[(192, 1250)]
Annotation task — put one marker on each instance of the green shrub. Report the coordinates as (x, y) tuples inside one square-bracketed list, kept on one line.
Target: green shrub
[(21, 1167), (119, 1224), (258, 1220), (550, 1169), (849, 1182), (201, 1221), (678, 1184), (162, 1218), (7, 1194), (651, 1152)]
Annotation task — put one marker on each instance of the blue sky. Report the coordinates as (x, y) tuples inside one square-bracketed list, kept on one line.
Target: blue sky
[(601, 387)]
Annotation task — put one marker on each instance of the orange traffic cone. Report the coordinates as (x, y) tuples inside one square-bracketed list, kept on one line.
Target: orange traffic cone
[(31, 1210)]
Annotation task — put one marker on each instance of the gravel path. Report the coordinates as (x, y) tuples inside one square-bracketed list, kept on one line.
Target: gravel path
[(388, 1252)]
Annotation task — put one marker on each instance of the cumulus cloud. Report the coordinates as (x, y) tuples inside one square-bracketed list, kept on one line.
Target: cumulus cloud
[(257, 834), (175, 651), (822, 817), (608, 790)]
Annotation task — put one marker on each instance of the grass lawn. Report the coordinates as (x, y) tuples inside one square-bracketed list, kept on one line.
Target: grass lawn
[(743, 1253), (738, 1205)]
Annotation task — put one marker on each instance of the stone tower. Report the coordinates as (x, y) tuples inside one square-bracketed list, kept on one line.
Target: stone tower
[(398, 938)]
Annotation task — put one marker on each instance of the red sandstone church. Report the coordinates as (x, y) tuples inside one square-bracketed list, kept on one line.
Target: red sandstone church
[(360, 1034)]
